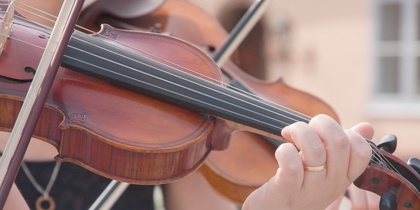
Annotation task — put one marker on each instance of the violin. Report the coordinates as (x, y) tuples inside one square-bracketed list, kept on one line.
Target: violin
[(80, 105), (77, 119), (224, 170)]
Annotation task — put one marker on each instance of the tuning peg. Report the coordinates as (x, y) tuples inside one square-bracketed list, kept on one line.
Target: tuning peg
[(388, 201), (388, 143), (415, 164)]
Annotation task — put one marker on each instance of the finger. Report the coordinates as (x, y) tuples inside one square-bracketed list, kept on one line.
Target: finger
[(336, 204), (362, 199), (312, 148), (312, 153), (364, 129), (338, 147), (290, 173), (360, 155), (286, 134), (285, 186), (373, 200), (358, 198)]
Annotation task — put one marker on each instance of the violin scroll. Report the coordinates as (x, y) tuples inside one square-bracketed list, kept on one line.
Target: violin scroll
[(397, 183)]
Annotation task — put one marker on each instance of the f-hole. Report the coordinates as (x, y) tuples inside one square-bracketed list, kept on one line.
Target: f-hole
[(27, 69)]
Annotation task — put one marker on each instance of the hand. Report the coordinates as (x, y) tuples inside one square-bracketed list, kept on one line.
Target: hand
[(344, 153)]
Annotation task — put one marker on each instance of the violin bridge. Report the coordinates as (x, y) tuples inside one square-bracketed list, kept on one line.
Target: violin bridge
[(6, 25)]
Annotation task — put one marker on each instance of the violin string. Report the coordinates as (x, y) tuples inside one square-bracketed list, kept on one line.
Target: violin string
[(275, 119), (252, 96), (116, 41), (35, 13), (382, 160), (193, 90), (25, 42), (379, 159), (269, 103)]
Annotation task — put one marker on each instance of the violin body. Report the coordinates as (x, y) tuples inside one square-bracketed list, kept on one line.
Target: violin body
[(247, 152), (112, 131)]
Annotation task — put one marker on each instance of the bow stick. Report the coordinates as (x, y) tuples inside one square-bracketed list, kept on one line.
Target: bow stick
[(37, 94)]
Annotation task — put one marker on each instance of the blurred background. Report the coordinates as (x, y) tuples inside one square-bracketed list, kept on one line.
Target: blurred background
[(361, 57)]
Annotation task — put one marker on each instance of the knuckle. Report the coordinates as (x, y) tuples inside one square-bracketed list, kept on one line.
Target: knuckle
[(360, 146), (293, 169), (341, 141), (363, 150), (318, 151)]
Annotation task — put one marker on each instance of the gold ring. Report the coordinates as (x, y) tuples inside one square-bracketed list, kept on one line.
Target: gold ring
[(315, 168)]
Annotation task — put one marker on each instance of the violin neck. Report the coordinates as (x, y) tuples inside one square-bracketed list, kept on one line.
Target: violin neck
[(138, 73)]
